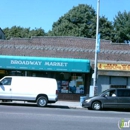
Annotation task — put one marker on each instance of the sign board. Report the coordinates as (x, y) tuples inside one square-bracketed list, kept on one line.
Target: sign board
[(109, 66), (44, 63), (98, 43)]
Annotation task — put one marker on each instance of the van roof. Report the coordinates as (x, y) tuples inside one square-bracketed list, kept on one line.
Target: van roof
[(26, 77)]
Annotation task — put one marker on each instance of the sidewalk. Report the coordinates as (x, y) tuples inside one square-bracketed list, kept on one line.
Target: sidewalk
[(69, 104), (58, 104)]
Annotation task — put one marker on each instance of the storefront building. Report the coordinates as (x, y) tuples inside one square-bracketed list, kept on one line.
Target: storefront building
[(71, 74), (113, 75), (69, 60)]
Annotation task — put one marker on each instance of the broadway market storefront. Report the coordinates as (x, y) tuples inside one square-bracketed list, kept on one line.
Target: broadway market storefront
[(73, 75)]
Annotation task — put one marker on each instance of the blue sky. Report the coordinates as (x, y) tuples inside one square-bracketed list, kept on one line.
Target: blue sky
[(43, 13)]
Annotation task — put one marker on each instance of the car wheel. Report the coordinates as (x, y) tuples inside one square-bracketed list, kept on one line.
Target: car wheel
[(96, 105), (42, 101)]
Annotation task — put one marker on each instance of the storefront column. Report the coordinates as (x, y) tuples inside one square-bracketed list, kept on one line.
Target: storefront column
[(26, 73)]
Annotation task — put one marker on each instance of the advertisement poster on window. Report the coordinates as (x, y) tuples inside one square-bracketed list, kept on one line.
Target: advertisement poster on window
[(63, 86), (75, 85)]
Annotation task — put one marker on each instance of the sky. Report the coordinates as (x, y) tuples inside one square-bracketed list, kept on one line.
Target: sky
[(43, 13)]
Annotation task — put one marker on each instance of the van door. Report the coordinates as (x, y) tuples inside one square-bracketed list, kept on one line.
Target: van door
[(123, 98), (24, 88), (110, 99), (5, 88)]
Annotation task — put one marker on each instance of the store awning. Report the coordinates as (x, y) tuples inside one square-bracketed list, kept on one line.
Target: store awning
[(44, 63)]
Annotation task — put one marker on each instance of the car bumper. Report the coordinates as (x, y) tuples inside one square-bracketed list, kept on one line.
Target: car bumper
[(85, 104)]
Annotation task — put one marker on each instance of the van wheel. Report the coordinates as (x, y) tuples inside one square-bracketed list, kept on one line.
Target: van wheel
[(42, 101), (6, 100), (96, 105)]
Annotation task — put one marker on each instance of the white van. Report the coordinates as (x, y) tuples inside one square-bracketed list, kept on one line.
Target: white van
[(32, 89)]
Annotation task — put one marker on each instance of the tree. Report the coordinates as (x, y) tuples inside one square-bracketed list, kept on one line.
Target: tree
[(19, 32), (81, 21), (122, 27), (106, 29), (76, 22), (37, 32)]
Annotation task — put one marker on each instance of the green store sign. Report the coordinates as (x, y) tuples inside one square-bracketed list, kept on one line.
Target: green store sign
[(44, 63)]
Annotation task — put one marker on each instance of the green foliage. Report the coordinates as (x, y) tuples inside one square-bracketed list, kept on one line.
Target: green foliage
[(77, 22), (19, 32), (106, 29), (81, 21), (122, 27)]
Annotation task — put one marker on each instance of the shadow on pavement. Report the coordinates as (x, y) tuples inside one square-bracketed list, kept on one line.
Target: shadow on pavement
[(34, 105), (26, 104), (58, 106), (117, 110)]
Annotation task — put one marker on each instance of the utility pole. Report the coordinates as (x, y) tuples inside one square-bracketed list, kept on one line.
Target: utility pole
[(96, 46)]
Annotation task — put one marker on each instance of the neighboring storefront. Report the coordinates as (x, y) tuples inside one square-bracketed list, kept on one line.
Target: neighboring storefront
[(72, 75), (113, 75), (71, 65)]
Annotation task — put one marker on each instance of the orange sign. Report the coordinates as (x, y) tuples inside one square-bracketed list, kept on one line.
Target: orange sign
[(107, 66)]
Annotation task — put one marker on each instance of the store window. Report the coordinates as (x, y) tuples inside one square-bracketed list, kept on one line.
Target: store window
[(71, 83), (15, 73)]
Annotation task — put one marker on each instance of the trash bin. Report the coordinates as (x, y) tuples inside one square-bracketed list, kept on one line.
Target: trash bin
[(82, 98)]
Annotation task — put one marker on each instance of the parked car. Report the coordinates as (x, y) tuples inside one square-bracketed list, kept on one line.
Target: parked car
[(111, 98)]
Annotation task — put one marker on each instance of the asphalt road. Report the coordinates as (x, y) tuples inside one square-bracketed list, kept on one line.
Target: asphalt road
[(31, 117)]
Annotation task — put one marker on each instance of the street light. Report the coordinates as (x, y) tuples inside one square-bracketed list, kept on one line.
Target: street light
[(96, 45)]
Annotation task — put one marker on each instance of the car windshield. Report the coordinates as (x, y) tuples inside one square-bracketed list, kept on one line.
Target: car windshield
[(103, 92)]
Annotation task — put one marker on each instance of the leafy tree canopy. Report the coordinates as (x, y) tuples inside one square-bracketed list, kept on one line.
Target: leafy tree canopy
[(74, 23), (81, 21), (106, 29), (122, 27), (19, 32)]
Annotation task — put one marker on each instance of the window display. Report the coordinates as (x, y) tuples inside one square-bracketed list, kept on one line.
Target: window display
[(63, 86), (75, 85)]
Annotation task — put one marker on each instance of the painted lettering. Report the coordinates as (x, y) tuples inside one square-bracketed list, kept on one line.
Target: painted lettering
[(25, 62), (62, 64)]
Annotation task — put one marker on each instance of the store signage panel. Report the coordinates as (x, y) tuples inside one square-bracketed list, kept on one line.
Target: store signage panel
[(52, 64), (109, 66), (2, 72)]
